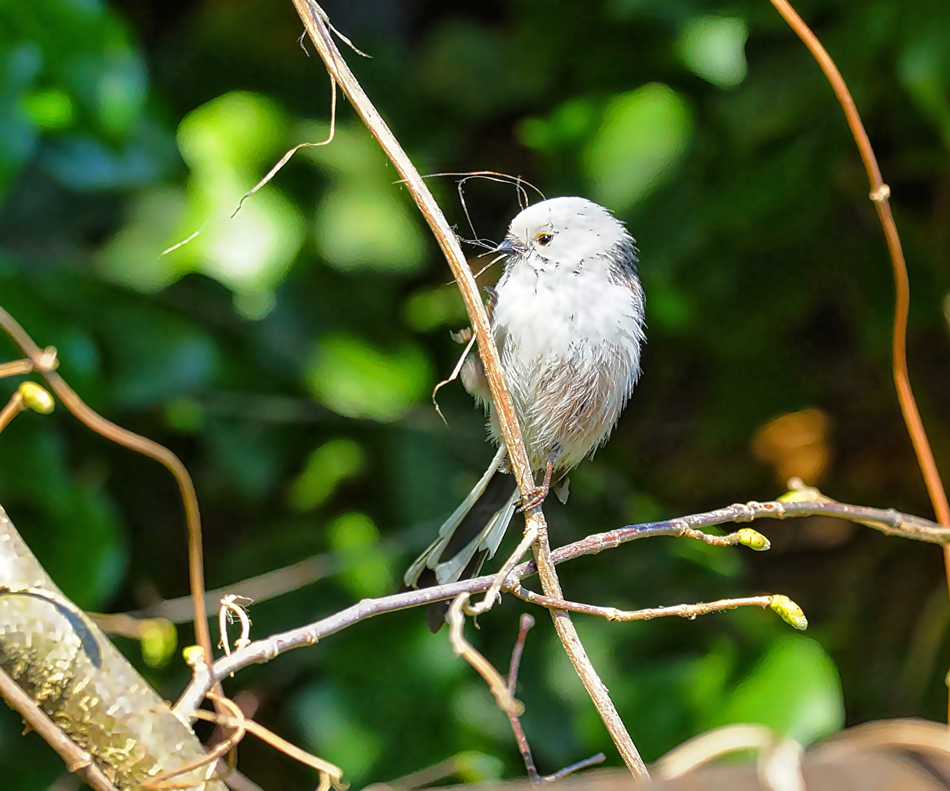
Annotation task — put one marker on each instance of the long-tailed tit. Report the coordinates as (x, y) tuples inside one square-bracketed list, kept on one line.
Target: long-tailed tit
[(567, 318)]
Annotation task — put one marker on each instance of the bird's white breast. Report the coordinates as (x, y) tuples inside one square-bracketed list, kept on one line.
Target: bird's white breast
[(547, 315), (568, 335)]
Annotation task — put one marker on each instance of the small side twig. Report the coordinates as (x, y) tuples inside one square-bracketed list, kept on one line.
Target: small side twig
[(524, 626), (287, 155), (15, 368), (777, 602), (505, 700), (452, 377), (599, 758), (527, 621)]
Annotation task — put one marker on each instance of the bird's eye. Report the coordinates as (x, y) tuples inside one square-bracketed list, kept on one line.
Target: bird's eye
[(545, 238)]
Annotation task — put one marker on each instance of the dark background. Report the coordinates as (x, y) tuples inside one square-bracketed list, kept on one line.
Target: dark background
[(287, 355)]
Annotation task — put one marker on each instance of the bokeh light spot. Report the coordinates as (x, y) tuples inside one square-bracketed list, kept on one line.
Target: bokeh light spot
[(643, 136), (328, 466), (357, 380), (367, 228), (714, 48)]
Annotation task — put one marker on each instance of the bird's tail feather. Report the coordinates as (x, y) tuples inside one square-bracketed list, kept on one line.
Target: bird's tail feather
[(471, 534)]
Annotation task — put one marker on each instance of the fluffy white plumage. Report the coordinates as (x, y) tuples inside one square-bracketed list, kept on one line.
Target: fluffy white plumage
[(568, 322)]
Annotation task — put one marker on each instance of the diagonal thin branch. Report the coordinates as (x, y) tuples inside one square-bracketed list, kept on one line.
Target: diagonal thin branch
[(521, 738), (315, 21)]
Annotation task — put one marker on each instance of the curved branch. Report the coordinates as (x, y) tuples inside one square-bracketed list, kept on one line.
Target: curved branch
[(879, 194), (44, 362)]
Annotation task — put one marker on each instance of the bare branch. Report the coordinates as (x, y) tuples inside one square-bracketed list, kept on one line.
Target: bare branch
[(15, 368), (259, 588), (463, 648), (888, 521), (527, 621), (689, 611), (879, 194)]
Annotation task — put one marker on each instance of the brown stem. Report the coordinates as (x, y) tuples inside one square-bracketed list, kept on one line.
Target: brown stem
[(15, 368), (521, 738), (879, 195), (11, 409), (44, 362)]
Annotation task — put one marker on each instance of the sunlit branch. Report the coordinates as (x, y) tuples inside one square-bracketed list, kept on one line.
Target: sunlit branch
[(889, 521)]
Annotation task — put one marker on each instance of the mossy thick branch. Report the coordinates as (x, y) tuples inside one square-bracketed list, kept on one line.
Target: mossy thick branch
[(71, 671)]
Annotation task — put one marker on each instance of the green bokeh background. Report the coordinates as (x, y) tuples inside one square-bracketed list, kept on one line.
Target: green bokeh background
[(287, 354)]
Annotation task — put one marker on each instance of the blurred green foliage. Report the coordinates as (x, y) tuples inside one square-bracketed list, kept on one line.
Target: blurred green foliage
[(287, 353)]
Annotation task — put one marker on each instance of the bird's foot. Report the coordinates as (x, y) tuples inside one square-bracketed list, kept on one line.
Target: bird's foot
[(535, 499)]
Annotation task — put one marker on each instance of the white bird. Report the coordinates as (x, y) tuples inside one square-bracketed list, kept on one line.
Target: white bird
[(568, 320)]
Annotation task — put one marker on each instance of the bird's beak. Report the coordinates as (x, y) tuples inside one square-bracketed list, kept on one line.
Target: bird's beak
[(509, 245)]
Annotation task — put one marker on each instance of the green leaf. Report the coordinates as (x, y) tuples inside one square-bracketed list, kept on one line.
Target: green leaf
[(366, 566), (328, 466)]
